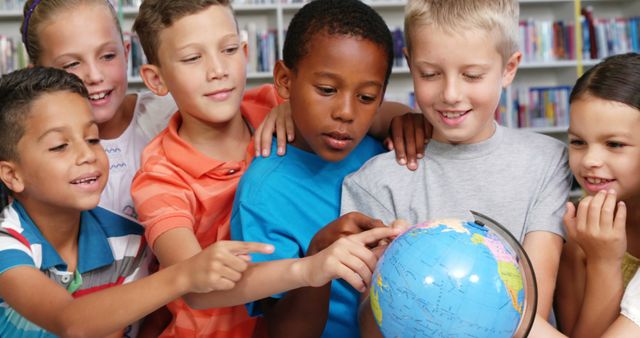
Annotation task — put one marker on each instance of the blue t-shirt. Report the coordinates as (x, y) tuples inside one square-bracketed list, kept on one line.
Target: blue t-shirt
[(285, 201), (111, 251)]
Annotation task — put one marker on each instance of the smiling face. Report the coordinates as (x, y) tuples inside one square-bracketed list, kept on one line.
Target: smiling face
[(98, 57), (334, 93), (458, 78), (205, 73), (61, 163), (604, 146)]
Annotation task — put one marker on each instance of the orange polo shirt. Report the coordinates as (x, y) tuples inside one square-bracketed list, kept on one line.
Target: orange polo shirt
[(179, 187)]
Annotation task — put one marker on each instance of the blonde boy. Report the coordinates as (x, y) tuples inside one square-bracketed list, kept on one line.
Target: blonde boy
[(461, 54)]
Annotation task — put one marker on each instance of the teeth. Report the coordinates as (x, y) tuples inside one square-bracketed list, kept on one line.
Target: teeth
[(596, 180), (85, 180), (98, 96), (452, 115)]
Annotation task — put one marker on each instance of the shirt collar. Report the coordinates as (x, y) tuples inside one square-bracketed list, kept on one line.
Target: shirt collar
[(94, 250), (189, 159)]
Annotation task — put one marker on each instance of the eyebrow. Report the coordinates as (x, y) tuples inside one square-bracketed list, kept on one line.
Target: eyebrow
[(225, 37), (338, 78), (63, 129), (102, 46)]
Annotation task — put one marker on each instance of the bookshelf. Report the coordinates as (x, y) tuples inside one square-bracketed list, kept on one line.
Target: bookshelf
[(269, 19)]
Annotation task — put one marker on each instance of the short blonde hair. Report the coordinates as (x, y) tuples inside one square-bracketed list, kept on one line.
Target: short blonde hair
[(457, 15)]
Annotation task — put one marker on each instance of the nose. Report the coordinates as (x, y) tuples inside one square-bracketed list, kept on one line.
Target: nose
[(86, 153), (345, 109), (216, 68), (451, 91), (93, 74), (592, 158)]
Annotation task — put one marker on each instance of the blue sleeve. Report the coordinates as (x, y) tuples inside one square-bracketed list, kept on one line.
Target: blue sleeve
[(13, 254), (259, 219)]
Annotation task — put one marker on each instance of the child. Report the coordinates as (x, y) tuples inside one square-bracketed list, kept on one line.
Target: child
[(518, 178), (55, 244), (84, 37), (85, 251), (601, 254), (336, 63), (186, 185)]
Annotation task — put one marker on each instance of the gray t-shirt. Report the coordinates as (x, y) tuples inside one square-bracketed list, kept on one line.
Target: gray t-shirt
[(520, 179)]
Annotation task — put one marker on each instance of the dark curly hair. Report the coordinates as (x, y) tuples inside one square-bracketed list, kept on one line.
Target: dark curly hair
[(335, 17), (616, 78)]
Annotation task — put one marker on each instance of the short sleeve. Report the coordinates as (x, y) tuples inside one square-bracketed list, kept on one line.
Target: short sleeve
[(163, 201), (13, 253), (549, 207), (356, 197)]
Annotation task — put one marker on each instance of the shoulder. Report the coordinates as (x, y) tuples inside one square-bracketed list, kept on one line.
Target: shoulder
[(379, 169), (264, 175), (115, 225), (152, 112), (532, 142)]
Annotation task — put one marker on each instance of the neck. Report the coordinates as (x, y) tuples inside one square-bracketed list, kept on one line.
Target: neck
[(224, 141), (114, 127)]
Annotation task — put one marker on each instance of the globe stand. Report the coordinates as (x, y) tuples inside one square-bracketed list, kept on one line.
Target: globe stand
[(531, 294)]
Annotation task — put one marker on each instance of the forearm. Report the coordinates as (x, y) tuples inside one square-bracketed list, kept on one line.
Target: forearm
[(542, 329), (259, 281), (622, 327), (301, 312), (366, 320), (122, 305), (601, 304)]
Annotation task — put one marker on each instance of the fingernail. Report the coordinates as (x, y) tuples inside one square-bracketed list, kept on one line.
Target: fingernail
[(402, 161), (419, 156), (280, 150), (290, 138), (612, 191), (265, 153), (257, 153)]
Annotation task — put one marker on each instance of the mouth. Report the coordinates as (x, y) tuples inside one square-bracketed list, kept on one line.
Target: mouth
[(338, 140), (99, 96), (595, 184), (220, 95), (86, 180), (453, 117)]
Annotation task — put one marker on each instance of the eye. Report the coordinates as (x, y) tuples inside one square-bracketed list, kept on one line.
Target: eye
[(615, 144), (576, 142), (428, 75), (70, 65), (230, 50), (93, 141), (58, 148), (325, 91), (367, 98), (190, 59), (473, 76), (109, 56)]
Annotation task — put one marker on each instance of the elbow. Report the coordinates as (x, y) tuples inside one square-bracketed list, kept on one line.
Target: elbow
[(195, 301)]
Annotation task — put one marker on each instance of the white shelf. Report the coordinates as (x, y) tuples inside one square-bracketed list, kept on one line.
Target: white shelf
[(556, 64)]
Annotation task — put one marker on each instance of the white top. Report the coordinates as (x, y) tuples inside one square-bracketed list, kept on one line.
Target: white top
[(150, 116)]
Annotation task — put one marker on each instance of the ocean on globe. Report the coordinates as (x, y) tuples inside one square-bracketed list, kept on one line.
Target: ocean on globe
[(454, 278)]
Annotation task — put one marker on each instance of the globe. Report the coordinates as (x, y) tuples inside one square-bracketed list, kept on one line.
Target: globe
[(454, 278)]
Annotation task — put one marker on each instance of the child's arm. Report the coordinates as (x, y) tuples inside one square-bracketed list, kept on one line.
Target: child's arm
[(303, 312), (348, 259), (599, 230), (50, 306), (628, 323)]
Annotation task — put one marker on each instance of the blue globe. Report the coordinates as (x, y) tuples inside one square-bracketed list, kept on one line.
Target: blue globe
[(453, 278)]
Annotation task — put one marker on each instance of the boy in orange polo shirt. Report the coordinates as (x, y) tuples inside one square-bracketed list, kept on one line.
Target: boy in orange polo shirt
[(185, 188)]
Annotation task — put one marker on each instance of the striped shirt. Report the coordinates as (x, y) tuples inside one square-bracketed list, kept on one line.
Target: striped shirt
[(179, 187), (111, 251)]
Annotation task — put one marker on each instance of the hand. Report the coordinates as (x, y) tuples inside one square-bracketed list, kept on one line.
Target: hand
[(279, 118), (597, 227), (347, 258), (630, 305), (408, 135), (220, 265), (345, 225)]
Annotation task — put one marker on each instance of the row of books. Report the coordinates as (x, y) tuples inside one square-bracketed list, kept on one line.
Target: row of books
[(13, 55), (534, 107), (543, 41)]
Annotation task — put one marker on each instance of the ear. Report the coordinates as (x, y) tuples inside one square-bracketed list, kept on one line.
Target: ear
[(245, 50), (10, 176), (127, 49), (510, 69), (152, 78), (282, 79)]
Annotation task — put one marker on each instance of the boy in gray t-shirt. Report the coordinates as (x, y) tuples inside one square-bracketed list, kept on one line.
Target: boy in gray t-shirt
[(520, 179)]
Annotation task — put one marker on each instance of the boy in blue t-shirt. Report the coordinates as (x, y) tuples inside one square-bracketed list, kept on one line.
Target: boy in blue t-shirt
[(337, 60)]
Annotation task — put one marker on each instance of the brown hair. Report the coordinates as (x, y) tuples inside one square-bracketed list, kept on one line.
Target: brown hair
[(36, 13), (156, 15)]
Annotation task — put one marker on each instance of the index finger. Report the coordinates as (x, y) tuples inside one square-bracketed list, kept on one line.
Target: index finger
[(364, 222), (242, 248), (375, 235)]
